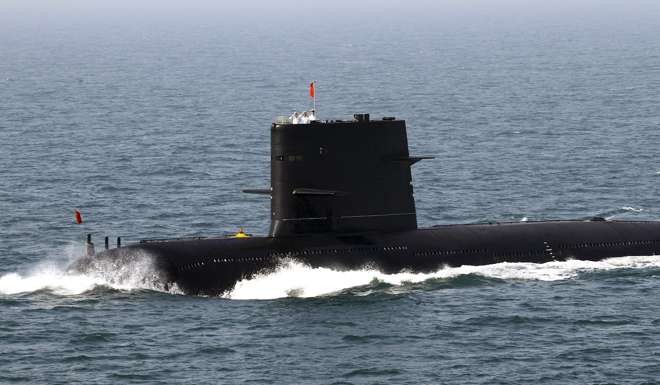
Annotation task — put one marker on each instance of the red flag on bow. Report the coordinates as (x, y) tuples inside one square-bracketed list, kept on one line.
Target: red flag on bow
[(77, 216), (311, 90)]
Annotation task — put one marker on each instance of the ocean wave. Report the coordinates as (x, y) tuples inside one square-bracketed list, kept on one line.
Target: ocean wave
[(53, 275), (611, 214), (294, 279)]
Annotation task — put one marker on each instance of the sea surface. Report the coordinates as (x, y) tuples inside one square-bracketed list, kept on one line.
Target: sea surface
[(151, 126)]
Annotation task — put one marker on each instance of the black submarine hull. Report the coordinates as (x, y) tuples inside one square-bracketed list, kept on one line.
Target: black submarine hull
[(213, 266), (342, 197)]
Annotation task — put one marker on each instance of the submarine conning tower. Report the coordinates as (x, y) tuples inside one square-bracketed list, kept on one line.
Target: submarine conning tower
[(337, 176)]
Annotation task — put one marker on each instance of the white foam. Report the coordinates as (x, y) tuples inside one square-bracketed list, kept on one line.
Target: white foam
[(52, 275), (294, 279), (57, 281)]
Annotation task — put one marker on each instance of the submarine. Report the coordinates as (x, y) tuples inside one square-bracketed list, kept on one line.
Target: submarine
[(342, 198)]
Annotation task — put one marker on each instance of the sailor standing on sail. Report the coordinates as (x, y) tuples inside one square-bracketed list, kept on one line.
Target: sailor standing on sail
[(295, 117), (306, 116)]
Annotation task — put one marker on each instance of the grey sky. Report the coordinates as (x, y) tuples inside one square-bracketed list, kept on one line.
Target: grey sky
[(296, 10)]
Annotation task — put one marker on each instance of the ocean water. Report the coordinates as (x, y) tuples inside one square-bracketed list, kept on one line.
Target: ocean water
[(151, 126)]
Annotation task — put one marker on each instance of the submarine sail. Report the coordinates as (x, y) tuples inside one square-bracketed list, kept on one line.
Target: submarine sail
[(341, 177)]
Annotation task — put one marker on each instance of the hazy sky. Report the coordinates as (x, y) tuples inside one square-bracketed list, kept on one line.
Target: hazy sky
[(292, 11)]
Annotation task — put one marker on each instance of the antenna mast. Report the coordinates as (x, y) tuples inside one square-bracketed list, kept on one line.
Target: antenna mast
[(312, 94)]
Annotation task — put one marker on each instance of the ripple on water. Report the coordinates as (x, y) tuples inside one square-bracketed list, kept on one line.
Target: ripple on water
[(15, 378), (493, 320), (216, 350), (130, 375), (80, 358), (603, 321), (373, 372), (365, 339), (94, 338)]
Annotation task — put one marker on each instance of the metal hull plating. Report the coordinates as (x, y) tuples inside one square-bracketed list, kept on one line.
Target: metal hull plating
[(212, 266)]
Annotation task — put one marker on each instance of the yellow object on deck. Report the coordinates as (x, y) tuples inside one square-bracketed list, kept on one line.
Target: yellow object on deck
[(241, 234)]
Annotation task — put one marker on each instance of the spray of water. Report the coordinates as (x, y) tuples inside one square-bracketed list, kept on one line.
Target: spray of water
[(291, 279), (611, 214), (53, 275), (294, 279)]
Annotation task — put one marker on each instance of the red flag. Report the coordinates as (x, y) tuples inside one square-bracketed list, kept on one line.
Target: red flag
[(78, 216), (311, 90)]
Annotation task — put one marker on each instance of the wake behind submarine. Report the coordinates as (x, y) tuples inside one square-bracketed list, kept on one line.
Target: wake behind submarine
[(342, 197)]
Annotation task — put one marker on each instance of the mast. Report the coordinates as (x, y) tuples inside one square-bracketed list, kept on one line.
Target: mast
[(312, 94)]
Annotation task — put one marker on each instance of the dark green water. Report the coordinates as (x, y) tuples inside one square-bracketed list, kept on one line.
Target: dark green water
[(151, 125)]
